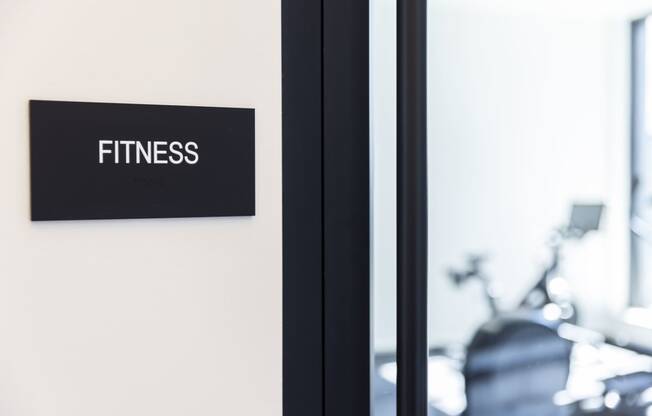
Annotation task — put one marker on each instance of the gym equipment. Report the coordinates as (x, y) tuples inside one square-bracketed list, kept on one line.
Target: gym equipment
[(517, 361)]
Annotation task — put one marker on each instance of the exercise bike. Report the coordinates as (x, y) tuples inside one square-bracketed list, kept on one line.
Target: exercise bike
[(519, 362)]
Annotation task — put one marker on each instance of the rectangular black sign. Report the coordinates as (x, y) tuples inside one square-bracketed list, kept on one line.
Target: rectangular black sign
[(109, 161)]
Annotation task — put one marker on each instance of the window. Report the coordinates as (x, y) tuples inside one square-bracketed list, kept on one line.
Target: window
[(641, 164)]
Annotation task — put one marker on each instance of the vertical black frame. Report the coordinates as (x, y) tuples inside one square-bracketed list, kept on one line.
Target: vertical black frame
[(302, 208), (347, 289), (412, 200), (326, 266)]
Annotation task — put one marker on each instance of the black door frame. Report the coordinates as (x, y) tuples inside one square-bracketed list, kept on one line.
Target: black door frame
[(412, 209), (326, 259)]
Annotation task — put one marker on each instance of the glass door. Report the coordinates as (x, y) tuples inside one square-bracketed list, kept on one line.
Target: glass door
[(536, 170)]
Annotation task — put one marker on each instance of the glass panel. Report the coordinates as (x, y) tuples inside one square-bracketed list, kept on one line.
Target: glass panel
[(540, 284), (529, 223), (641, 167), (383, 194)]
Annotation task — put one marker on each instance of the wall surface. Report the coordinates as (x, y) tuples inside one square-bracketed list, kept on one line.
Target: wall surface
[(140, 317), (527, 114)]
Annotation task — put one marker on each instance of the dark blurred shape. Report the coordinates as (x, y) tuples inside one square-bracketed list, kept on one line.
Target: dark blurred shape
[(585, 218), (474, 271), (514, 367)]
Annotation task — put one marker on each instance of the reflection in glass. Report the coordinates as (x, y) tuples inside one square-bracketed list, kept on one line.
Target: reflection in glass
[(540, 193)]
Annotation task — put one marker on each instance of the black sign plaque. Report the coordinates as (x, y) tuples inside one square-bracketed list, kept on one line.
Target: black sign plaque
[(111, 161)]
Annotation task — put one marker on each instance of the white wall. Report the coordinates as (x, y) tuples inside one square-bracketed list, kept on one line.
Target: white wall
[(140, 317), (528, 113)]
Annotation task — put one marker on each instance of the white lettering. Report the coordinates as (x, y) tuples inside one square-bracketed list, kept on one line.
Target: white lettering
[(146, 154), (127, 143), (194, 153), (116, 146), (103, 151), (158, 152), (175, 148)]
